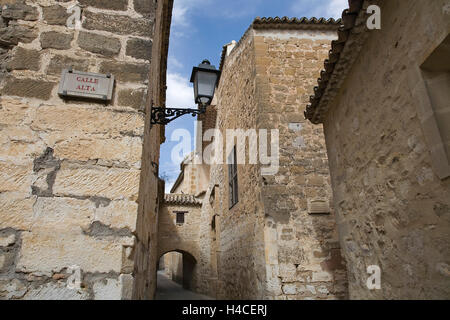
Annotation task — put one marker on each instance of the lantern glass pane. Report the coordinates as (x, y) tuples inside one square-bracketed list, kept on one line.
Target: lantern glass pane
[(195, 88), (206, 82)]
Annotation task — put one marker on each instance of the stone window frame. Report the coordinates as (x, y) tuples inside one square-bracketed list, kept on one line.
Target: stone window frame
[(427, 117), (233, 194), (180, 214)]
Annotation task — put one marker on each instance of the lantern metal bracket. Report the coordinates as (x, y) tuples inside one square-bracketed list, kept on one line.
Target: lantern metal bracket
[(163, 116)]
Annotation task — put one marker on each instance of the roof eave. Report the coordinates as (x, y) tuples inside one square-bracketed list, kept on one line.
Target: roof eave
[(344, 51)]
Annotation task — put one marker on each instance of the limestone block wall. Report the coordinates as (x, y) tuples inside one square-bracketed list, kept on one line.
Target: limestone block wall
[(302, 249), (70, 170), (151, 188), (210, 283), (268, 246), (241, 264), (393, 209)]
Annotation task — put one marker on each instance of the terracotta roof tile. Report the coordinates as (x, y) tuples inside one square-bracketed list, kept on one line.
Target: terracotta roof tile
[(181, 199)]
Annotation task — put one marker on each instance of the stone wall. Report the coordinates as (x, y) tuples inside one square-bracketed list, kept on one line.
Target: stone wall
[(69, 169), (241, 265), (269, 246), (303, 257), (393, 209), (209, 283), (151, 188)]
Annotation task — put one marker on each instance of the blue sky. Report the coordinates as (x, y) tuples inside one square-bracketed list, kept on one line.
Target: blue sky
[(199, 30)]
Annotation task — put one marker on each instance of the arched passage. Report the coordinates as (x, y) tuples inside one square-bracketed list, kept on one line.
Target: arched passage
[(179, 266)]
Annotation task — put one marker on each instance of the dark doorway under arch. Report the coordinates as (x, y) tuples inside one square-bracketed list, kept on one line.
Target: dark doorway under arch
[(179, 266)]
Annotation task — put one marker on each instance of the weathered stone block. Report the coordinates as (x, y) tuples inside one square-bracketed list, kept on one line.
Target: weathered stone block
[(75, 214), (289, 289), (12, 111), (19, 11), (126, 72), (55, 14), (118, 215), (100, 44), (62, 213), (118, 24), (15, 33), (38, 253), (139, 48), (321, 276), (287, 271), (132, 98), (106, 4), (101, 182), (28, 88), (15, 177), (293, 255), (123, 150), (145, 7), (24, 59), (58, 63), (16, 210), (83, 120), (56, 40)]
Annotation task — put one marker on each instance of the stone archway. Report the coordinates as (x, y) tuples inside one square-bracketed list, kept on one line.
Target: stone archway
[(181, 270), (178, 231)]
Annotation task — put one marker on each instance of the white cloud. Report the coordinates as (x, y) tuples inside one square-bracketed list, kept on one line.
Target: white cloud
[(182, 10), (319, 8), (179, 93), (174, 63), (335, 8)]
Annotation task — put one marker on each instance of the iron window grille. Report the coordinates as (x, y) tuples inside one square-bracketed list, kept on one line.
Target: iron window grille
[(180, 219)]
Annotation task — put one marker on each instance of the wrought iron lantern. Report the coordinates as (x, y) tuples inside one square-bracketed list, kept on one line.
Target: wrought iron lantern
[(205, 78)]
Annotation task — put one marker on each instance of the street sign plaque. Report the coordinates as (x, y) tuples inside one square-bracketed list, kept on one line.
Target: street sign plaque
[(86, 85)]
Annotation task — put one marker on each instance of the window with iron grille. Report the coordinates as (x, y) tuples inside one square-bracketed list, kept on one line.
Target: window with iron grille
[(232, 178), (180, 217)]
